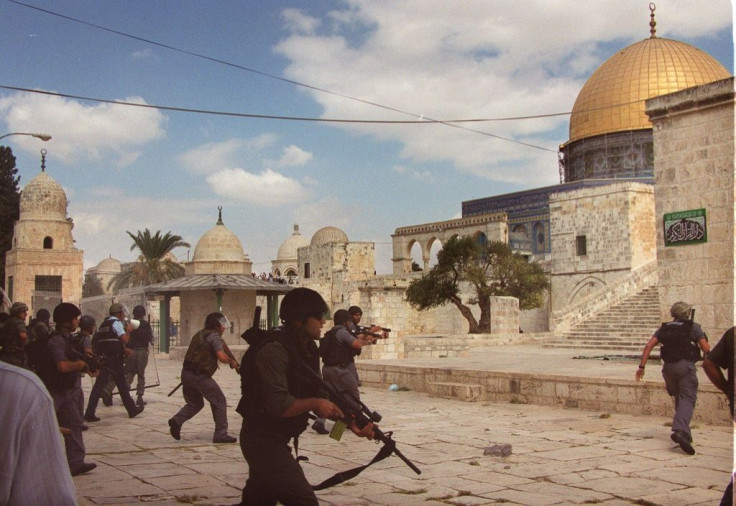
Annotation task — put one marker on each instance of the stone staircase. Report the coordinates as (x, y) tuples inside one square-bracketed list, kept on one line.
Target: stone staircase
[(624, 327)]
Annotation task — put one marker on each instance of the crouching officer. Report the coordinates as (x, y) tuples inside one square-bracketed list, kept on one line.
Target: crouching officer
[(200, 363), (278, 395)]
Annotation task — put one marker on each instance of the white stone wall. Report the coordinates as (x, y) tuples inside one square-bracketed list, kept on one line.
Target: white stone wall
[(694, 169), (237, 305), (617, 221)]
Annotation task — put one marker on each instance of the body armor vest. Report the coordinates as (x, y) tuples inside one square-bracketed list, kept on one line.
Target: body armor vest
[(334, 352), (300, 385), (200, 357), (677, 343)]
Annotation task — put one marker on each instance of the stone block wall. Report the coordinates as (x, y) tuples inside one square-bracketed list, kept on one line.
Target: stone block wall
[(694, 169), (617, 224)]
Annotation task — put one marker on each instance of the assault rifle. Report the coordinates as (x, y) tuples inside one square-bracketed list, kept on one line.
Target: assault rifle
[(94, 363), (360, 329), (353, 409)]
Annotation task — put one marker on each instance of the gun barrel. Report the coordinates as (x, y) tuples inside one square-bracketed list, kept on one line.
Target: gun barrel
[(386, 439)]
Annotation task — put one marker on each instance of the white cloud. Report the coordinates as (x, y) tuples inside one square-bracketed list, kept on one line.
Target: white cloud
[(215, 156), (268, 188), (294, 156), (296, 21), (142, 54), (83, 132), (474, 59)]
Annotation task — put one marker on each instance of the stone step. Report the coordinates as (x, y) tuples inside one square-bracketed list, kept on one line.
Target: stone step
[(462, 391)]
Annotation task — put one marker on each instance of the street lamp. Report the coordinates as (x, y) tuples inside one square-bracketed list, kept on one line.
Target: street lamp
[(43, 137)]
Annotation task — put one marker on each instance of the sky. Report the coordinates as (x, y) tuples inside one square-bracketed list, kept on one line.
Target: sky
[(241, 96)]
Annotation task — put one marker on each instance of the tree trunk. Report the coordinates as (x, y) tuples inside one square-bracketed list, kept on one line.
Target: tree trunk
[(473, 327), (484, 324)]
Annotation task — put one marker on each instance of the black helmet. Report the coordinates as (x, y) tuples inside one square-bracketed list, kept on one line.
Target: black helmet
[(86, 322), (43, 315), (340, 317), (300, 303), (66, 312), (139, 312)]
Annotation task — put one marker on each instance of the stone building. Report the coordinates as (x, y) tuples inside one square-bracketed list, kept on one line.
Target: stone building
[(695, 210), (596, 233), (104, 272), (43, 266)]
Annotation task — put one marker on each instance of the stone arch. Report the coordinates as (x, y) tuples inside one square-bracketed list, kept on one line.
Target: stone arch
[(585, 287), (415, 252), (433, 247), (48, 242)]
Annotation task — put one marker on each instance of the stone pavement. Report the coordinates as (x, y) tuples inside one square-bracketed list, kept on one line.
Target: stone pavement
[(559, 456)]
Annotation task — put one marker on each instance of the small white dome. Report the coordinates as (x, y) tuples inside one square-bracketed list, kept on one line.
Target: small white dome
[(43, 197), (327, 235), (288, 248), (218, 244)]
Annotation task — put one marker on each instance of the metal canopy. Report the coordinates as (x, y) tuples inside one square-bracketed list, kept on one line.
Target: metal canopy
[(194, 282)]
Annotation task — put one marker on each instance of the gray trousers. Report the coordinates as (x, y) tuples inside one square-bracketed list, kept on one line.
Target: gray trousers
[(66, 405), (135, 365), (197, 388), (681, 380)]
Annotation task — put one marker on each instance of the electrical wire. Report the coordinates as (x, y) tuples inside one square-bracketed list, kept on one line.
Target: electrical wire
[(421, 118)]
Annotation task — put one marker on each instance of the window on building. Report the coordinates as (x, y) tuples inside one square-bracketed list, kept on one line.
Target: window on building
[(306, 270), (50, 284), (581, 245), (48, 242)]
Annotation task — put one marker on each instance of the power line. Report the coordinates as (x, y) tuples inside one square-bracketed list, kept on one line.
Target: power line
[(420, 117)]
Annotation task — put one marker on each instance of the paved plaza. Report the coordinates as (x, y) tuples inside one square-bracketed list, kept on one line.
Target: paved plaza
[(558, 456)]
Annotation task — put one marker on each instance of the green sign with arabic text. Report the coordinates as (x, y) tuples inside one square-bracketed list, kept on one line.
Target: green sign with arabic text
[(685, 227)]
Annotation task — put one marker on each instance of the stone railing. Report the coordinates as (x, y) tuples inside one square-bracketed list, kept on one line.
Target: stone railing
[(613, 293)]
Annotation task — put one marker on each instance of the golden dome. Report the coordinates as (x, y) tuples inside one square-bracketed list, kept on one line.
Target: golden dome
[(612, 99)]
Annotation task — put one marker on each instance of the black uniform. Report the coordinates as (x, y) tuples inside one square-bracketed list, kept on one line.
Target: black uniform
[(272, 378)]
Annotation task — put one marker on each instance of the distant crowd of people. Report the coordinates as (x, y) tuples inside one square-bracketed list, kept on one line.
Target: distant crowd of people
[(289, 280)]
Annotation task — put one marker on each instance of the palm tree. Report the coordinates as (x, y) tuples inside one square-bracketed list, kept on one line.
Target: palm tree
[(155, 262)]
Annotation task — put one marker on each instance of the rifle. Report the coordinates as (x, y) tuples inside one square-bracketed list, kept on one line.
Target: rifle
[(355, 411), (93, 362)]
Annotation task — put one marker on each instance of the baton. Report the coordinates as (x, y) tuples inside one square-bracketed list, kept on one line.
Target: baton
[(175, 389)]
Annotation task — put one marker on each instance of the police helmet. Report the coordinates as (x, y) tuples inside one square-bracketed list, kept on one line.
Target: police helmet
[(43, 315), (300, 303), (18, 308), (66, 312), (139, 312), (341, 316), (87, 322), (680, 310), (116, 308), (214, 320)]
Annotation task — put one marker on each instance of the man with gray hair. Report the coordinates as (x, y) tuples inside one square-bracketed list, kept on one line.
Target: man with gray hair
[(681, 341)]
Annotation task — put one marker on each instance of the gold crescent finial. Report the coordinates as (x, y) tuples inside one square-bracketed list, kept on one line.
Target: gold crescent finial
[(652, 23)]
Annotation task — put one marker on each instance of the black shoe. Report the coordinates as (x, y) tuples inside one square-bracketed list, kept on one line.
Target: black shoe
[(175, 429), (140, 401), (91, 418), (84, 427), (227, 438), (682, 440), (106, 399), (320, 428), (137, 411), (84, 467)]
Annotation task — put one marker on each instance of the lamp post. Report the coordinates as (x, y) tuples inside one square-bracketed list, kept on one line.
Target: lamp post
[(43, 137)]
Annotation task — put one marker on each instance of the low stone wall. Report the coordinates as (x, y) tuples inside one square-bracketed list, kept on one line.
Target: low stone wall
[(604, 395)]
